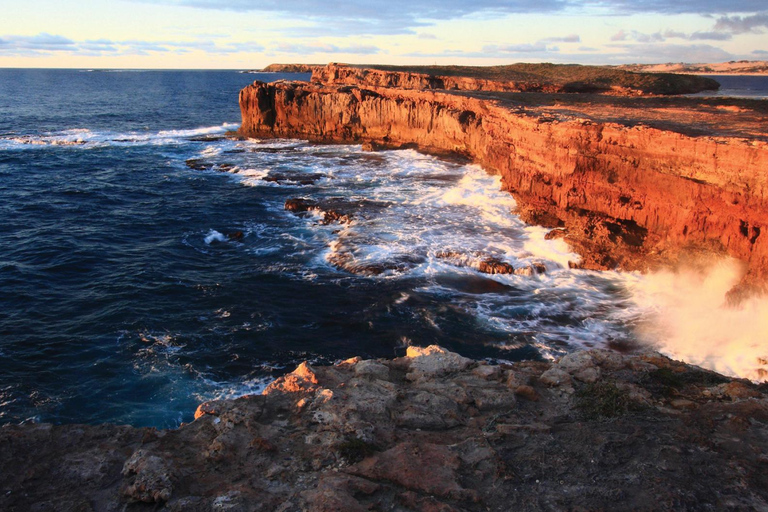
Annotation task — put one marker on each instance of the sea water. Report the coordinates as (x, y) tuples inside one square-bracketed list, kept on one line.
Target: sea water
[(147, 262)]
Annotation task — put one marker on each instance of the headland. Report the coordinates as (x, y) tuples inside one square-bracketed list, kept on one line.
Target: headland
[(630, 177)]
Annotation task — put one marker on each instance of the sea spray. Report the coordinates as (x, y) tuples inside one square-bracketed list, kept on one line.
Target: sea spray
[(690, 320)]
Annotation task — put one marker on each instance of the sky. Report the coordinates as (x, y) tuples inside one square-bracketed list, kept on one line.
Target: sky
[(249, 34)]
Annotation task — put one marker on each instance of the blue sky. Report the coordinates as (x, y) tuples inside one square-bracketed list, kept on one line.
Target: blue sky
[(241, 34)]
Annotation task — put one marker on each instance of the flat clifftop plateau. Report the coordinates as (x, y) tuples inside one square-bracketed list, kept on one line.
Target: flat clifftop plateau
[(740, 67), (431, 431), (548, 78), (630, 183), (291, 68)]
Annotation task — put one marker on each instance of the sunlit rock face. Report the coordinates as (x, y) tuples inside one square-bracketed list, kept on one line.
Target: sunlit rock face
[(623, 196)]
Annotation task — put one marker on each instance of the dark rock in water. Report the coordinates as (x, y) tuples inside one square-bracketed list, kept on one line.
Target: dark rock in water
[(293, 177), (198, 165), (531, 270), (259, 149), (495, 266), (374, 146), (235, 236), (489, 264), (207, 138), (330, 215), (474, 284), (300, 204), (345, 260)]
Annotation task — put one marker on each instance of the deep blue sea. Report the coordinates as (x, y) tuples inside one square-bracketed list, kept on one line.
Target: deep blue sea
[(739, 86), (147, 262)]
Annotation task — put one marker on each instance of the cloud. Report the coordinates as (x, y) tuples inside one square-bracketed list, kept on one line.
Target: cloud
[(620, 36), (538, 47), (313, 49), (657, 53), (739, 25), (711, 36), (542, 46), (660, 37), (760, 52), (45, 44), (427, 36), (572, 38), (678, 6), (354, 17), (671, 34)]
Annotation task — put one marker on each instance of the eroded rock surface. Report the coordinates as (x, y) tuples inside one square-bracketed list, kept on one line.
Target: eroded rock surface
[(431, 431), (625, 193), (551, 78)]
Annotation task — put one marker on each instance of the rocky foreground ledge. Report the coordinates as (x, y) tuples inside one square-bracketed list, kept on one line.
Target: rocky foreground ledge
[(432, 431)]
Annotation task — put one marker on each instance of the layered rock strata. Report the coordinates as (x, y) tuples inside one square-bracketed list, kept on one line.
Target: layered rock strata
[(431, 431), (548, 78), (623, 196)]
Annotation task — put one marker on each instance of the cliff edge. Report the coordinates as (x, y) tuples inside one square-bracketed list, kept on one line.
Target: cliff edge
[(630, 183), (432, 431), (545, 77)]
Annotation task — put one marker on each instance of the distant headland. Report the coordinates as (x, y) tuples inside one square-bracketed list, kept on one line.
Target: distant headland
[(631, 175)]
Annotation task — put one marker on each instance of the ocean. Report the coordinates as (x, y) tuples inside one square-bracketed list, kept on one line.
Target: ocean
[(739, 86), (147, 262)]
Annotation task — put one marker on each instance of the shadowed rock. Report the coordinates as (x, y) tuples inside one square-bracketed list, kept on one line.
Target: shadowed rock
[(429, 431)]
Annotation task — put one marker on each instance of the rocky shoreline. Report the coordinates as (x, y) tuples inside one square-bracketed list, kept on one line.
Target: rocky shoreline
[(628, 183), (431, 431)]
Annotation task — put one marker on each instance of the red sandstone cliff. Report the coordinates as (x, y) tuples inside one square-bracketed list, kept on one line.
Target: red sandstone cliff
[(548, 78), (626, 197)]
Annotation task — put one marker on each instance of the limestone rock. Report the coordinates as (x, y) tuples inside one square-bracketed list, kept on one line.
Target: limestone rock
[(340, 438), (372, 369), (422, 467), (302, 379), (433, 361), (150, 478), (555, 377)]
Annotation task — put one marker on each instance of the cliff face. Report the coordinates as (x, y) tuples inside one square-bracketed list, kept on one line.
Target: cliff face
[(346, 75), (624, 196), (432, 431), (548, 78)]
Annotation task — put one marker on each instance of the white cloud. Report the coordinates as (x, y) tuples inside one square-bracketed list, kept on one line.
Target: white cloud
[(739, 25), (45, 44)]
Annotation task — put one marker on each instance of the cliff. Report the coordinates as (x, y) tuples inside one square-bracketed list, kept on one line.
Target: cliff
[(431, 431), (549, 78), (291, 68), (624, 193)]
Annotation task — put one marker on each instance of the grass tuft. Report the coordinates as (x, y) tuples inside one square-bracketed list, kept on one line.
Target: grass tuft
[(354, 450), (602, 400)]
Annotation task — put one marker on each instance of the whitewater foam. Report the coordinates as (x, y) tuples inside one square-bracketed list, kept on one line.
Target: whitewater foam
[(690, 320), (88, 139), (214, 236), (408, 220)]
